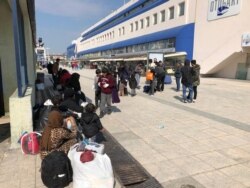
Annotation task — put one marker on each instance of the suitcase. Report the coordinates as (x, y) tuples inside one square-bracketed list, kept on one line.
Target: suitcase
[(167, 79)]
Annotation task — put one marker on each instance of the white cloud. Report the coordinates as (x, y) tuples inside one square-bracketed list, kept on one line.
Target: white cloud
[(70, 8)]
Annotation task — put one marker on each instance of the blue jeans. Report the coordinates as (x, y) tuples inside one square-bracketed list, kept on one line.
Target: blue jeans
[(184, 90), (178, 83)]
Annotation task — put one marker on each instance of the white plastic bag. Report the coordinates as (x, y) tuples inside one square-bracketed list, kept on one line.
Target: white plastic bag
[(97, 173)]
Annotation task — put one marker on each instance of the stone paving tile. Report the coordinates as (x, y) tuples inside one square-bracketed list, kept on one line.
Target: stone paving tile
[(216, 143), (216, 159), (196, 147), (192, 165), (236, 154), (239, 173), (128, 135), (176, 152), (245, 147), (234, 140), (215, 132), (165, 170), (216, 179), (182, 182)]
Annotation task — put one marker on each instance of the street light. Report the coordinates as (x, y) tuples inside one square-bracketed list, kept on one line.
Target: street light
[(47, 54)]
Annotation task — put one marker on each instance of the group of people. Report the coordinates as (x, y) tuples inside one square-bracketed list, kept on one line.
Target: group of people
[(72, 120), (155, 77), (189, 76)]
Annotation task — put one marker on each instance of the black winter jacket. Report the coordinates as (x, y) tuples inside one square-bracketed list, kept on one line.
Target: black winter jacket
[(90, 124)]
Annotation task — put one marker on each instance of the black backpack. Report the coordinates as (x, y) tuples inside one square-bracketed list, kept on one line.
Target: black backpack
[(56, 170)]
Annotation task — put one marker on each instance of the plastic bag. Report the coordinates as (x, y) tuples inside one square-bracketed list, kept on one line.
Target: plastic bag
[(97, 173)]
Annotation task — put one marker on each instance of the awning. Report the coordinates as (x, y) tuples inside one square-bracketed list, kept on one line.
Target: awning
[(96, 60), (175, 54), (136, 59)]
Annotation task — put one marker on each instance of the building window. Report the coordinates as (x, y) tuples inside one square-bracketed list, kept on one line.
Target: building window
[(131, 27), (163, 16), (155, 18), (123, 30), (142, 23), (182, 9), (147, 21), (136, 25), (171, 13), (119, 31)]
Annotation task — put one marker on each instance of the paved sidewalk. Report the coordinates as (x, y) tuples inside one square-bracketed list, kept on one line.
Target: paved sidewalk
[(204, 144)]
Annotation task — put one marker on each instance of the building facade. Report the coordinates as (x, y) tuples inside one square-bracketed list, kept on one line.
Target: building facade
[(177, 28), (17, 64)]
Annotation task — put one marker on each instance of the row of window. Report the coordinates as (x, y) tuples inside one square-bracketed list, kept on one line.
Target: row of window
[(142, 23), (126, 14), (146, 23), (156, 45)]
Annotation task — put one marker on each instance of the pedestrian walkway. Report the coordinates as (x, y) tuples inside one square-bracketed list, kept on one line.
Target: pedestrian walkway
[(204, 144)]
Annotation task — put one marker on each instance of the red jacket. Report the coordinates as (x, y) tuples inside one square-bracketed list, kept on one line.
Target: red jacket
[(108, 79)]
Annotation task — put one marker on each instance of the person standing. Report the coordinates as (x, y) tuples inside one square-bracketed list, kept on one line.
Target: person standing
[(97, 88), (55, 75), (195, 77), (186, 80), (133, 84), (106, 83), (138, 71), (177, 75), (160, 76)]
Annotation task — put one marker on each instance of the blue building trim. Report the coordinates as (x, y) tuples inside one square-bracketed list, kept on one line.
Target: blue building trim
[(20, 52), (95, 30), (71, 51), (184, 40)]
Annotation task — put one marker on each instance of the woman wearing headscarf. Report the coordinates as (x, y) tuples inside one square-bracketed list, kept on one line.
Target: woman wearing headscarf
[(57, 135)]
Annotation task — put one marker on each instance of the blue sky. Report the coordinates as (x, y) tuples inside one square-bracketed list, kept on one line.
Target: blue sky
[(59, 22)]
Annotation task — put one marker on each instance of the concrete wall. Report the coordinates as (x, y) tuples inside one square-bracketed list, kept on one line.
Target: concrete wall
[(20, 115), (7, 52), (217, 45)]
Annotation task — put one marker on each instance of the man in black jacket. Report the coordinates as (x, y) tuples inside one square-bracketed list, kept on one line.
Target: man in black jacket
[(186, 80)]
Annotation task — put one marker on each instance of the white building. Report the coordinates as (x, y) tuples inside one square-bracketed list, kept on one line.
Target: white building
[(209, 31)]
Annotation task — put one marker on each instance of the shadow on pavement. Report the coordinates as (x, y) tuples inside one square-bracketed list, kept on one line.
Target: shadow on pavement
[(178, 98), (115, 109), (4, 131)]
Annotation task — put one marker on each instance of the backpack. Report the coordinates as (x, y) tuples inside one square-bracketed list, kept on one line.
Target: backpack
[(56, 170), (30, 143)]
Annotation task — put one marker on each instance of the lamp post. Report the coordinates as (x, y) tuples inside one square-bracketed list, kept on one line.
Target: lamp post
[(47, 55)]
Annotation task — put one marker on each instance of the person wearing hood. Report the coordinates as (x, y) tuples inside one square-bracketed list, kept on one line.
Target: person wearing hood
[(75, 84), (91, 124), (195, 77), (69, 102), (57, 136)]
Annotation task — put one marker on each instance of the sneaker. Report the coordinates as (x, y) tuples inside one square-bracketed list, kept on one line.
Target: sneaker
[(185, 101), (109, 112), (194, 100)]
